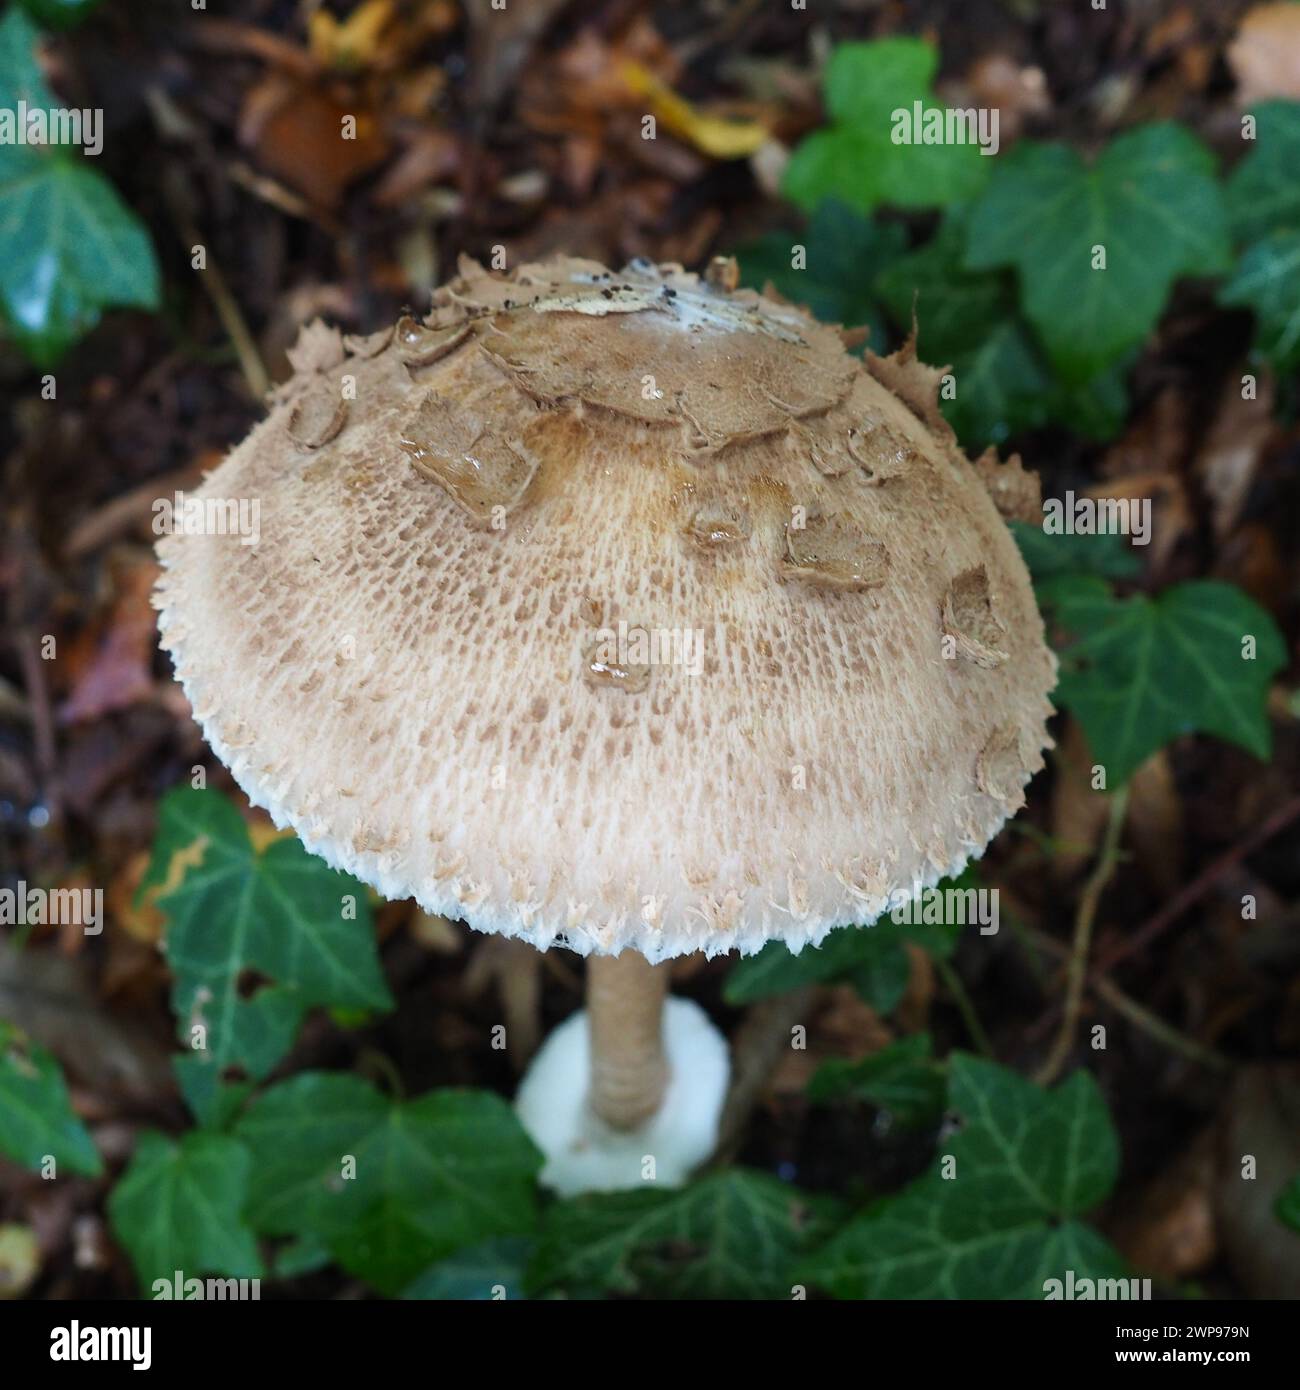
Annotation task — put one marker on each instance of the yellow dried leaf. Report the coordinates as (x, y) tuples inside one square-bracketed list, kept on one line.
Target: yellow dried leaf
[(722, 137), (20, 1260), (353, 43)]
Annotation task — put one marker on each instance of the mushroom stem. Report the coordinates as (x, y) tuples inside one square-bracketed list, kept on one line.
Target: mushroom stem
[(625, 1008)]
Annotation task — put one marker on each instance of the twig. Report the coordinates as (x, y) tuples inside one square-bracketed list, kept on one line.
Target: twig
[(179, 199), (381, 1066), (757, 1048), (1148, 1022), (126, 511), (965, 1007), (1085, 916), (1197, 888), (1138, 1014), (232, 320)]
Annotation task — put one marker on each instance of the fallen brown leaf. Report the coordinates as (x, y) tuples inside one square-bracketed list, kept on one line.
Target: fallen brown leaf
[(120, 671), (1265, 54)]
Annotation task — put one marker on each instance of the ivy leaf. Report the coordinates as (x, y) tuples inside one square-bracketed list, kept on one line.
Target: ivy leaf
[(1263, 194), (871, 958), (20, 80), (881, 978), (843, 254), (1047, 556), (477, 1272), (231, 909), (1150, 200), (59, 14), (1288, 1204), (179, 1204), (427, 1177), (1267, 280), (856, 159), (1001, 387), (731, 1234), (69, 246), (968, 319), (1096, 408), (1144, 671), (954, 306), (36, 1116), (298, 1257), (902, 1079), (1024, 1166), (214, 1100)]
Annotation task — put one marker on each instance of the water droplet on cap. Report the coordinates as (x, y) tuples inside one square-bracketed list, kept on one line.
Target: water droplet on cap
[(712, 527), (831, 553), (368, 344), (316, 416), (602, 671), (969, 619), (480, 470), (418, 345)]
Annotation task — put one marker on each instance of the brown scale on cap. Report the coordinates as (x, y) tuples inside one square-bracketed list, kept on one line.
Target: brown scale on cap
[(413, 666)]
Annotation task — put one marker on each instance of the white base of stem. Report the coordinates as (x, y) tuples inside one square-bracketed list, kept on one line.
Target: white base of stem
[(583, 1153)]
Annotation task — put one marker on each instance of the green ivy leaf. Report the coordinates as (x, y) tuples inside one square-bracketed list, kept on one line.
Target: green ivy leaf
[(231, 909), (902, 1079), (1263, 193), (1049, 555), (36, 1116), (299, 1257), (1151, 200), (731, 1234), (69, 246), (856, 159), (474, 1274), (1145, 670), (954, 306), (215, 1101), (843, 254), (1027, 1164), (1288, 1204), (20, 79), (1096, 408), (59, 14), (968, 319), (1002, 387), (432, 1175), (871, 958), (178, 1207), (1267, 281)]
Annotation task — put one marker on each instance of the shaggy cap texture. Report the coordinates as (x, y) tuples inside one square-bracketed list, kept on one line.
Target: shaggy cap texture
[(618, 609)]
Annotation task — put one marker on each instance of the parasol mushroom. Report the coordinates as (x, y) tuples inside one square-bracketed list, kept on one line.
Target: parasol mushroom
[(622, 611)]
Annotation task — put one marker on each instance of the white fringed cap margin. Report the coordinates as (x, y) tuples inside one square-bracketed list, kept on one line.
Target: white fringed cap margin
[(617, 609)]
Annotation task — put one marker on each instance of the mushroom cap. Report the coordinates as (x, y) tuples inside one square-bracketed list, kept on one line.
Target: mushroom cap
[(616, 609)]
